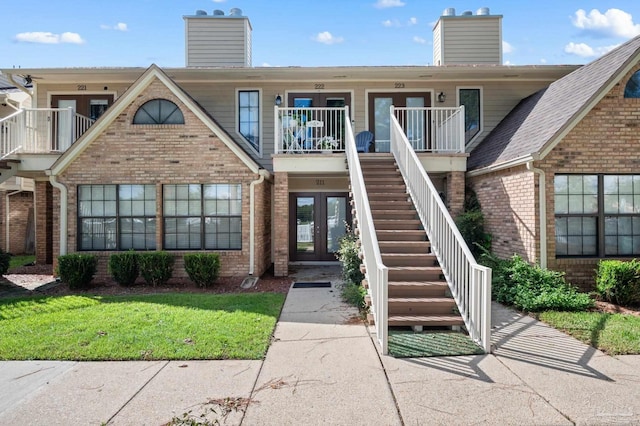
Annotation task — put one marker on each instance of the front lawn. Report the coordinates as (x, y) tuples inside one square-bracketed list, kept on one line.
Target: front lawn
[(21, 260), (143, 327), (615, 334)]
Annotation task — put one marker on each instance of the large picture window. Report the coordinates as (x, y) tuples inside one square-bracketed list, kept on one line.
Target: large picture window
[(116, 217), (597, 215), (249, 116), (470, 99), (205, 217)]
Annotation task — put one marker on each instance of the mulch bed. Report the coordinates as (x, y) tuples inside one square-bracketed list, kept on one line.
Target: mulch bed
[(266, 283)]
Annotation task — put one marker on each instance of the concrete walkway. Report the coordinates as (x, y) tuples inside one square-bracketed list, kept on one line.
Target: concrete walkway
[(324, 368)]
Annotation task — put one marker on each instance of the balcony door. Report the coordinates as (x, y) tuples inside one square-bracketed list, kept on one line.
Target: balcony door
[(414, 123), (317, 221), (91, 106), (332, 122)]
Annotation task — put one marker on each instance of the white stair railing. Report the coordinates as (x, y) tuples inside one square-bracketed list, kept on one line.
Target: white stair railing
[(310, 130), (11, 132), (433, 129), (470, 283), (377, 274)]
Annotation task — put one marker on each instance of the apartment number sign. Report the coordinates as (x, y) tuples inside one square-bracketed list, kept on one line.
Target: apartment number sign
[(82, 87), (318, 86), (398, 85)]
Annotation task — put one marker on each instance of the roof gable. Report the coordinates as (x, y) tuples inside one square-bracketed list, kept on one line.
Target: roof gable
[(538, 123), (137, 88)]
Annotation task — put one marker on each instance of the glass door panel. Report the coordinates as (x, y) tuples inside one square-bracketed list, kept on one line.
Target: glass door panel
[(415, 123), (305, 219), (382, 124)]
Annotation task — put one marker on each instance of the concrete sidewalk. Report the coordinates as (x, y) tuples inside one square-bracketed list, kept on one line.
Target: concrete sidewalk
[(324, 368)]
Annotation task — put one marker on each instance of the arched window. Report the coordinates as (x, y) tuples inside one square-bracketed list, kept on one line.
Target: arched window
[(632, 89), (158, 111)]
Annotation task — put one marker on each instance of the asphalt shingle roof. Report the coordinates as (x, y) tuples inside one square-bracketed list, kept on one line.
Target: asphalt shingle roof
[(537, 119)]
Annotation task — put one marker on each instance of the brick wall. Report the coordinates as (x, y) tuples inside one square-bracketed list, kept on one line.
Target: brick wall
[(20, 214), (455, 193), (607, 140), (166, 154), (508, 200), (281, 224), (263, 227), (44, 222)]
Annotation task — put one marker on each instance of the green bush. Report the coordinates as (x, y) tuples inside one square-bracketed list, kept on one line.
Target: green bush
[(348, 254), (619, 282), (533, 289), (470, 223), (156, 267), (77, 270), (202, 268), (123, 267), (353, 294), (5, 261)]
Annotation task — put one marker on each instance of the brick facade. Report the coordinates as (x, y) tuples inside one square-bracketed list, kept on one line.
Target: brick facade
[(44, 219), (455, 193), (169, 154), (509, 204), (21, 222), (281, 224)]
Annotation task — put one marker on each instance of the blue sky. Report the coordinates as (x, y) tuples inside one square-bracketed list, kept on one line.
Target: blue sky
[(121, 33)]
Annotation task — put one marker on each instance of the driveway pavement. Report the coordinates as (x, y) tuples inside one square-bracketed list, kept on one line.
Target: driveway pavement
[(324, 368)]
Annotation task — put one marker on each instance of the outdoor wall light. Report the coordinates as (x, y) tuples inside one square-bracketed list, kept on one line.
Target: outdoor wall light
[(442, 97), (278, 100)]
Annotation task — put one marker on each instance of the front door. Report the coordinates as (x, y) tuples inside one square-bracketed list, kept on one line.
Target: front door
[(332, 120), (317, 221), (414, 123), (91, 106)]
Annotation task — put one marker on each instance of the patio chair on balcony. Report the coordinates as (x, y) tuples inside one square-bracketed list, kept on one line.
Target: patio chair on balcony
[(313, 134), (364, 141)]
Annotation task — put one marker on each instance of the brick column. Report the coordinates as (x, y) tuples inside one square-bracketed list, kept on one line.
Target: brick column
[(44, 222), (281, 224), (455, 193)]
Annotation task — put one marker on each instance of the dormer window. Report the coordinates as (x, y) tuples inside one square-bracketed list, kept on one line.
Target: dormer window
[(632, 89), (158, 111)]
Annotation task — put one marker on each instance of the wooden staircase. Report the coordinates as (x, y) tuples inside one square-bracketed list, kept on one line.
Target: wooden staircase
[(418, 293)]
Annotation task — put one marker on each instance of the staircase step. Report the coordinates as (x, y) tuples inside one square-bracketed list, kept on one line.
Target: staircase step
[(418, 288), (389, 197), (404, 204), (401, 235), (425, 320), (386, 180), (391, 224), (386, 189), (415, 273), (393, 214), (422, 306), (404, 246), (409, 259)]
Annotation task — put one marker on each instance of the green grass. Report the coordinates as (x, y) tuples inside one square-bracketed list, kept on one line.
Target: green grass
[(615, 334), (18, 261), (144, 327)]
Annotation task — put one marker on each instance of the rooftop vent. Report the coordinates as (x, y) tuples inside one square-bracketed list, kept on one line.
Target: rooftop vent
[(483, 11), (450, 11), (218, 12), (467, 13), (201, 12), (235, 12)]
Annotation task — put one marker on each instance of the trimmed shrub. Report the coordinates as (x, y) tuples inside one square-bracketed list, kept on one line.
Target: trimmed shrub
[(619, 282), (77, 270), (156, 267), (123, 267), (5, 261), (348, 254), (202, 268), (533, 289)]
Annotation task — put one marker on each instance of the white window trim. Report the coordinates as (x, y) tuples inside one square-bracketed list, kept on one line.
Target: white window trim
[(481, 129), (258, 152)]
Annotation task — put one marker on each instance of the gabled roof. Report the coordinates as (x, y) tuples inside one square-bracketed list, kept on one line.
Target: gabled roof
[(538, 123), (125, 100)]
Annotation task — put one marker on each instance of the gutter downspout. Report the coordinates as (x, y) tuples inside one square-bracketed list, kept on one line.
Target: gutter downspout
[(63, 211), (542, 194), (252, 230), (7, 211)]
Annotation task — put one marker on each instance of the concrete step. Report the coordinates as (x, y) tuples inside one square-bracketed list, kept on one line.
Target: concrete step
[(422, 306), (415, 273), (409, 259), (418, 289), (401, 235), (402, 224), (425, 320), (404, 246)]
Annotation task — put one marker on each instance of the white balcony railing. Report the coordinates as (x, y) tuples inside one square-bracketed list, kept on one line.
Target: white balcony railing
[(437, 130), (309, 130), (41, 130), (470, 283)]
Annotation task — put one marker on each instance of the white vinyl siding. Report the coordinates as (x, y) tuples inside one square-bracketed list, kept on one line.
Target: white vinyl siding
[(213, 42), (469, 40)]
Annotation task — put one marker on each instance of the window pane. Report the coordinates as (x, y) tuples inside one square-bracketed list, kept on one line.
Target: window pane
[(561, 204), (591, 184), (611, 204), (561, 184), (470, 98), (249, 117)]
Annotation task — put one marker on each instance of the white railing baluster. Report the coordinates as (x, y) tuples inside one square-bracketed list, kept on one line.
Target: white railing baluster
[(470, 283), (310, 130), (433, 129)]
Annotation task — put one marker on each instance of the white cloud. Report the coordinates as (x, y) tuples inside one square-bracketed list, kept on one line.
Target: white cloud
[(413, 20), (585, 51), (419, 40), (383, 4), (219, 1), (120, 26), (614, 22), (390, 23), (507, 47), (507, 63), (49, 38), (327, 38), (543, 61)]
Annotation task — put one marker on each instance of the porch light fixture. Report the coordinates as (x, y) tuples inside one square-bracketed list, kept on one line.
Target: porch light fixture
[(442, 97), (278, 100)]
